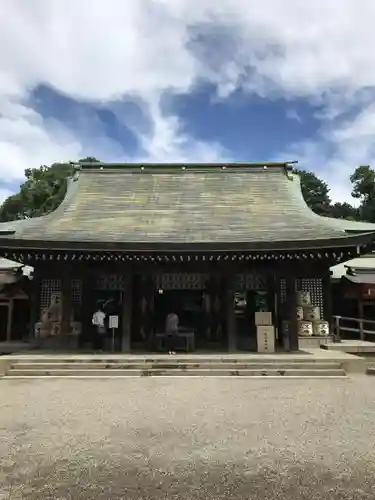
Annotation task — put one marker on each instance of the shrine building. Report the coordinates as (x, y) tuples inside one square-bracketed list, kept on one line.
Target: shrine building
[(218, 244)]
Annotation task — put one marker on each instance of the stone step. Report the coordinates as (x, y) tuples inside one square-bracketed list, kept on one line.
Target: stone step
[(108, 373), (84, 365), (171, 360), (253, 377)]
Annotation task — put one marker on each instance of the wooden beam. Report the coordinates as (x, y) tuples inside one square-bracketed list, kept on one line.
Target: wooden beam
[(185, 254)]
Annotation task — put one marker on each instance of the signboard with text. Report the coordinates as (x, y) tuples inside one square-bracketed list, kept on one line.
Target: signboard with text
[(113, 322)]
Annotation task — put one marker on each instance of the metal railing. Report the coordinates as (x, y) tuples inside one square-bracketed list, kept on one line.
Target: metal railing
[(360, 326)]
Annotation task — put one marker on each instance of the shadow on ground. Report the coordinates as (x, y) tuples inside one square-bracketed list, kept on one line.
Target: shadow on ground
[(187, 439), (115, 480)]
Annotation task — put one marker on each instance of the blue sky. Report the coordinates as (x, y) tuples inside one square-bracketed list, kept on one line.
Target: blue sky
[(247, 128), (188, 80)]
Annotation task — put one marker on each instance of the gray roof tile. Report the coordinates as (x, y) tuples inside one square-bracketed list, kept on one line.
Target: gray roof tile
[(196, 205)]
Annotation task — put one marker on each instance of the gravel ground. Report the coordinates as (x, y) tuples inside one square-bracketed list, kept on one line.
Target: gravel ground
[(187, 439)]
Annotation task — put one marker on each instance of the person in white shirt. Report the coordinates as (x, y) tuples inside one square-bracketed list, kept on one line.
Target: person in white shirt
[(98, 320), (171, 330)]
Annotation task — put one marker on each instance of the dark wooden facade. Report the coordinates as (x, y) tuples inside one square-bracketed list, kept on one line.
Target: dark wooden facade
[(137, 230), (81, 282), (14, 305)]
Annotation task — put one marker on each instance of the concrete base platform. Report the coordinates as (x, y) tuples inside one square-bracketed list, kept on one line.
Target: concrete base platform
[(308, 363), (351, 346), (10, 347), (312, 342), (307, 353)]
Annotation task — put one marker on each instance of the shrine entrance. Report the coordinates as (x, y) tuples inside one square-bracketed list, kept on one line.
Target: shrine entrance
[(197, 298), (199, 301), (187, 304)]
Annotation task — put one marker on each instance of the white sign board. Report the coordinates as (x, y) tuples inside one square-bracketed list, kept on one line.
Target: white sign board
[(113, 322), (266, 338)]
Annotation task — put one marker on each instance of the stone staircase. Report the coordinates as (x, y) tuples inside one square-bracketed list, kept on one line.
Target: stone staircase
[(198, 366)]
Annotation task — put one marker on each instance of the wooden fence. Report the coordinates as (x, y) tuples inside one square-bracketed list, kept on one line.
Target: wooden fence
[(363, 328)]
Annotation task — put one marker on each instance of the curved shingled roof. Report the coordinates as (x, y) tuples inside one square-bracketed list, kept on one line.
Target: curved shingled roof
[(182, 204)]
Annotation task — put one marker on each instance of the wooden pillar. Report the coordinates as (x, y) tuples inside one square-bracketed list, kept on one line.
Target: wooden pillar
[(211, 317), (362, 335), (34, 290), (272, 301), (279, 306), (230, 313), (149, 295), (327, 299), (88, 306), (10, 319), (126, 312), (291, 312), (66, 305)]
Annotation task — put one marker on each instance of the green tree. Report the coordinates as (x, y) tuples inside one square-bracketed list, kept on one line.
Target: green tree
[(41, 193), (344, 211), (315, 192), (12, 208), (363, 181)]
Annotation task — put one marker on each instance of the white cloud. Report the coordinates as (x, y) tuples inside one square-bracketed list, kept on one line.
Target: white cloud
[(4, 193), (98, 50), (24, 137), (292, 114), (343, 146), (167, 141)]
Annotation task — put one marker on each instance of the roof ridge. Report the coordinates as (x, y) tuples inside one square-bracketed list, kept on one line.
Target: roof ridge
[(287, 166)]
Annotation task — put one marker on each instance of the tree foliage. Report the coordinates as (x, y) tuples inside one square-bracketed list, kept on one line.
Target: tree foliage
[(363, 181), (42, 192), (315, 191), (316, 194), (344, 211)]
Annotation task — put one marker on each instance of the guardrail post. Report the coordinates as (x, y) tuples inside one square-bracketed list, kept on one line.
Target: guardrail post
[(361, 330), (337, 333)]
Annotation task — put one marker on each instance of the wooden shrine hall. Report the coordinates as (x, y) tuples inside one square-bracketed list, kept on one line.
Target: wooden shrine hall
[(232, 249)]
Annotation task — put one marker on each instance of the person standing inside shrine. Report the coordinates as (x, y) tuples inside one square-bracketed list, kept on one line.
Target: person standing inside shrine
[(171, 330), (98, 321)]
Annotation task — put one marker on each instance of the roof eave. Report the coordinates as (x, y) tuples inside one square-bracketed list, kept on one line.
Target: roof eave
[(351, 241), (360, 280)]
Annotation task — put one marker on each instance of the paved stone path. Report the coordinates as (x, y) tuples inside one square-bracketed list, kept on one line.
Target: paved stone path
[(187, 439)]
